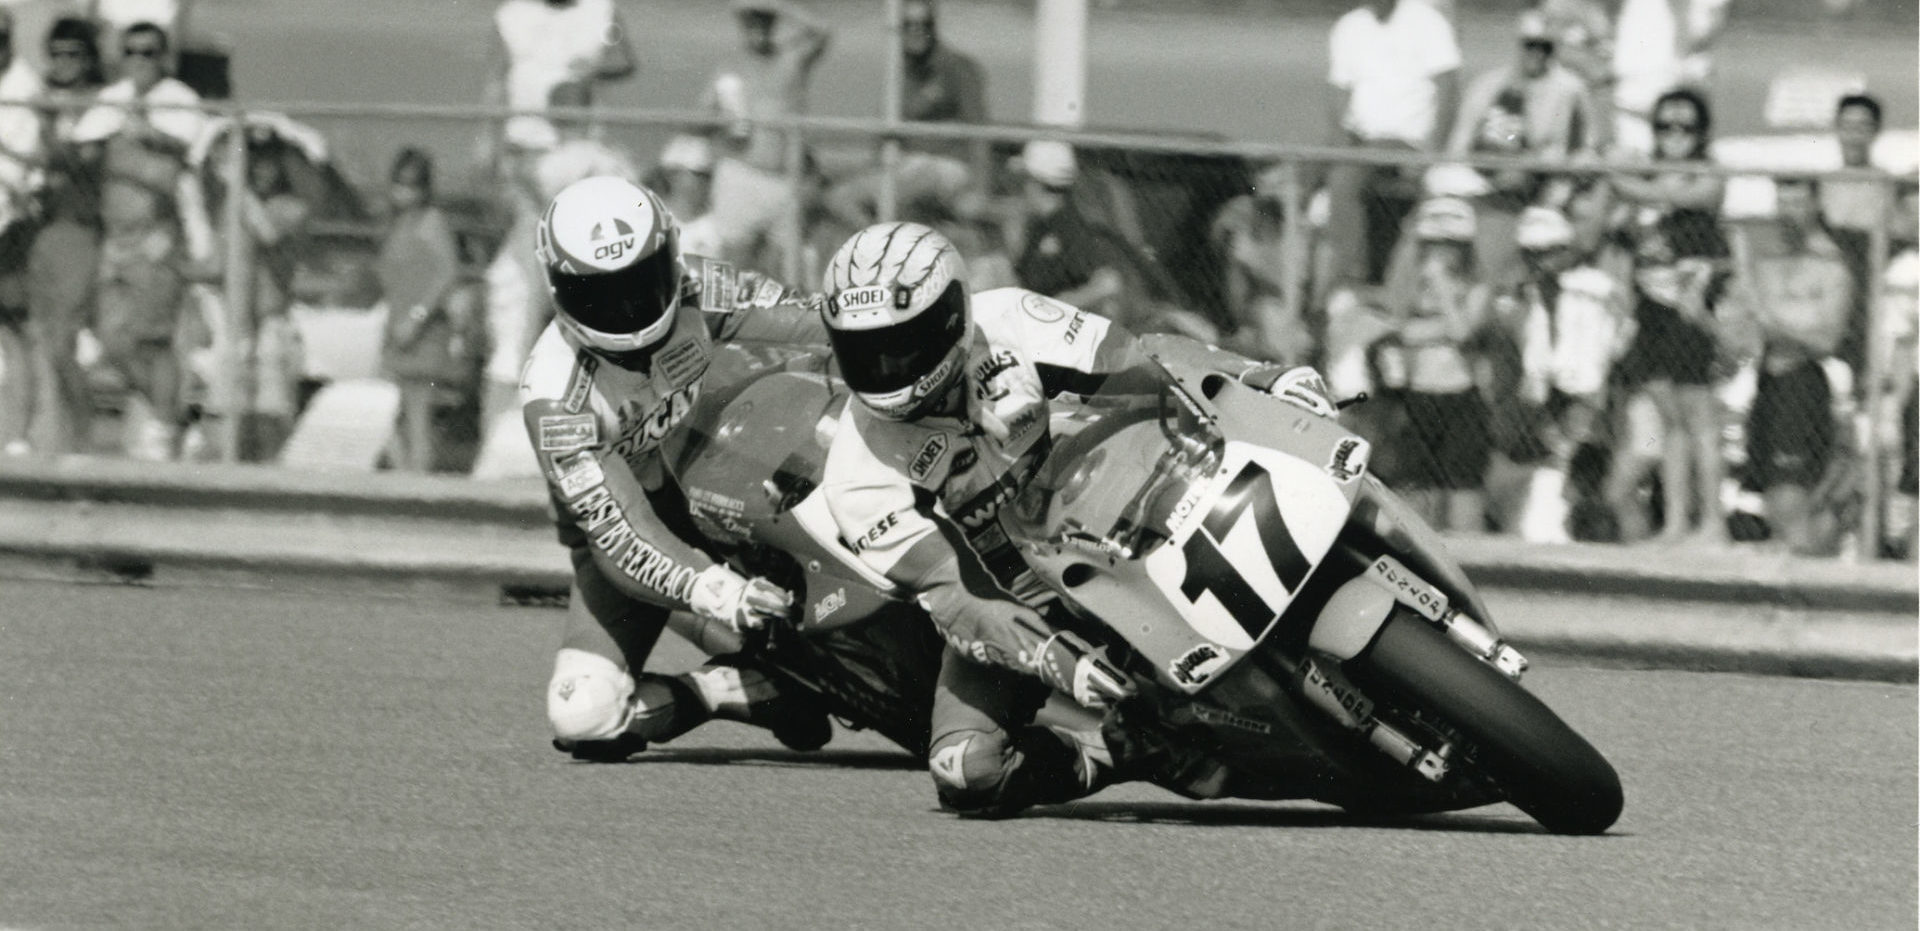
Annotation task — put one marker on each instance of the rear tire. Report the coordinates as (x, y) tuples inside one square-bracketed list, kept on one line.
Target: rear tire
[(1546, 770)]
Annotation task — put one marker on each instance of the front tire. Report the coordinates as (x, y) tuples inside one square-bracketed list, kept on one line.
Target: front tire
[(1545, 768)]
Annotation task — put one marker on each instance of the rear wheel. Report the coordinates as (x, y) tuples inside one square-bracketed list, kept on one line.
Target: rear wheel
[(1546, 770)]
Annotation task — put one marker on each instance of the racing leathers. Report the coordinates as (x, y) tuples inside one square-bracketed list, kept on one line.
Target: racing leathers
[(918, 499), (597, 429)]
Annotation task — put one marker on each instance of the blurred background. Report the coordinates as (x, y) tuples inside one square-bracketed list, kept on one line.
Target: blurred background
[(1606, 270)]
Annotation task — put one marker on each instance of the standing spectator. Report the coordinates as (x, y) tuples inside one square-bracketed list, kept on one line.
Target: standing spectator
[(940, 84), (1852, 210), (1059, 251), (1393, 70), (1577, 325), (684, 181), (62, 267), (782, 41), (20, 144), (1265, 273), (1801, 294), (272, 219), (1659, 45), (1582, 37), (139, 141), (552, 53), (1901, 366), (428, 347), (1680, 271), (1448, 440), (119, 16), (1531, 107), (74, 76)]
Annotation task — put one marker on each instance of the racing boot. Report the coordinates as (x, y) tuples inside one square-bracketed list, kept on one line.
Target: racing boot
[(1146, 748), (659, 709), (738, 688)]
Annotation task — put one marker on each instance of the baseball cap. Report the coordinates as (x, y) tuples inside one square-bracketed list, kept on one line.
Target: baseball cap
[(1444, 219), (1543, 228), (1050, 162)]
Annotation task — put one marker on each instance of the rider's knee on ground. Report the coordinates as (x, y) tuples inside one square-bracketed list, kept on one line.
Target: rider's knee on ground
[(990, 774), (589, 697)]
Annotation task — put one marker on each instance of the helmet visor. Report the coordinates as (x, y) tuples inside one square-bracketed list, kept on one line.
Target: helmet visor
[(621, 302), (891, 358)]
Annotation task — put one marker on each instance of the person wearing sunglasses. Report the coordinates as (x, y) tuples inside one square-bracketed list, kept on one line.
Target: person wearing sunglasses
[(19, 156), (1681, 268), (134, 139)]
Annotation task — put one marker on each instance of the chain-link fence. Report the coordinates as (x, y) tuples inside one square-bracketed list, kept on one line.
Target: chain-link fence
[(1564, 351)]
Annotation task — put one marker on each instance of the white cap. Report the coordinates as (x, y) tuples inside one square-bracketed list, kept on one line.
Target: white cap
[(687, 153), (1049, 161), (1444, 218), (1543, 228)]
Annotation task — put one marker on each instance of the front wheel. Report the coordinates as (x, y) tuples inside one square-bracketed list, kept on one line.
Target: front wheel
[(1545, 769)]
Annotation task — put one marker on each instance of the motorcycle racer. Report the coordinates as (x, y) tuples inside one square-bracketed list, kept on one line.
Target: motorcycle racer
[(950, 420), (607, 382)]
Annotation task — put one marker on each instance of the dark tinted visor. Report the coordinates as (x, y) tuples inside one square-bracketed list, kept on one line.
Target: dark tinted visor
[(624, 301), (891, 358)]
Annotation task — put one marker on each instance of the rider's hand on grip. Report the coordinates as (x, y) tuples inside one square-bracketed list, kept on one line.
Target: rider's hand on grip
[(1072, 665), (744, 604), (1303, 387), (987, 630)]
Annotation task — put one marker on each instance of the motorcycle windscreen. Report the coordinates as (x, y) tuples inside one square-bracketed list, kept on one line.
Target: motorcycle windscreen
[(1238, 553)]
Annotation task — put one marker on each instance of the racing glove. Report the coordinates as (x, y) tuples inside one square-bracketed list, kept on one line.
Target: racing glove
[(1073, 666), (1302, 387), (995, 631), (743, 604)]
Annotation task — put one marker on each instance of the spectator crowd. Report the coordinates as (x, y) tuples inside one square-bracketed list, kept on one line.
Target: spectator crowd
[(1585, 347)]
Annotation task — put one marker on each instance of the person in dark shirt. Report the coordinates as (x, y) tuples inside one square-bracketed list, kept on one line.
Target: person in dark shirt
[(941, 85), (1062, 253)]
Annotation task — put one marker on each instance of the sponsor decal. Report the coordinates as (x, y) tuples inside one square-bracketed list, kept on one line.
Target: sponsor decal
[(1353, 707), (717, 286), (767, 293), (581, 384), (564, 433), (964, 459), (683, 361), (1349, 459), (642, 430), (1409, 589), (713, 502), (1184, 508), (1210, 714), (1073, 326), (982, 508), (833, 602), (599, 514), (949, 764), (1197, 665), (578, 473), (875, 533), (610, 244), (1045, 310), (998, 361), (855, 300), (928, 457)]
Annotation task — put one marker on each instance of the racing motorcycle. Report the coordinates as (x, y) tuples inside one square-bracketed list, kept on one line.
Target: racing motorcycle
[(1284, 613)]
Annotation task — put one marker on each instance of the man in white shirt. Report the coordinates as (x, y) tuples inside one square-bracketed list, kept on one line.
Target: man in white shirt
[(1659, 45), (20, 139), (552, 52), (138, 135), (1394, 75)]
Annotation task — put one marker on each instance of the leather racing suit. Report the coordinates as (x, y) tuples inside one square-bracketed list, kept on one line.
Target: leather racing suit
[(596, 428), (917, 501)]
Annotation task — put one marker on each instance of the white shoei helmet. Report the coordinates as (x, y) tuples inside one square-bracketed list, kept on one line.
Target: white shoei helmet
[(612, 257), (898, 316)]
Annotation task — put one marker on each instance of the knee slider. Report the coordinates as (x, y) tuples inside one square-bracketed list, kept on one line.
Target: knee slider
[(589, 698), (970, 769)]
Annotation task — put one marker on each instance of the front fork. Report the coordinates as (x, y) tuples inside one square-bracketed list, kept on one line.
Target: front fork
[(1352, 617)]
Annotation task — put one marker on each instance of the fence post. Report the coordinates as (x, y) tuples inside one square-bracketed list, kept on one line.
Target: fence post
[(1874, 475), (888, 200), (793, 223), (236, 356)]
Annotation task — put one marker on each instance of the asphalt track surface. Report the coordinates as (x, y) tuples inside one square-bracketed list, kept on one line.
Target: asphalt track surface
[(1246, 77), (228, 758)]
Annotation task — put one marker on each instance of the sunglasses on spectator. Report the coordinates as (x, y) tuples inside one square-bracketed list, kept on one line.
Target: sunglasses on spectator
[(64, 51), (142, 51), (1689, 128)]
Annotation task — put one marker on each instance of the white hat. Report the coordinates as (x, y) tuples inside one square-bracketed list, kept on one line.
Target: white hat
[(1050, 162), (687, 153), (1444, 218), (1543, 228)]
